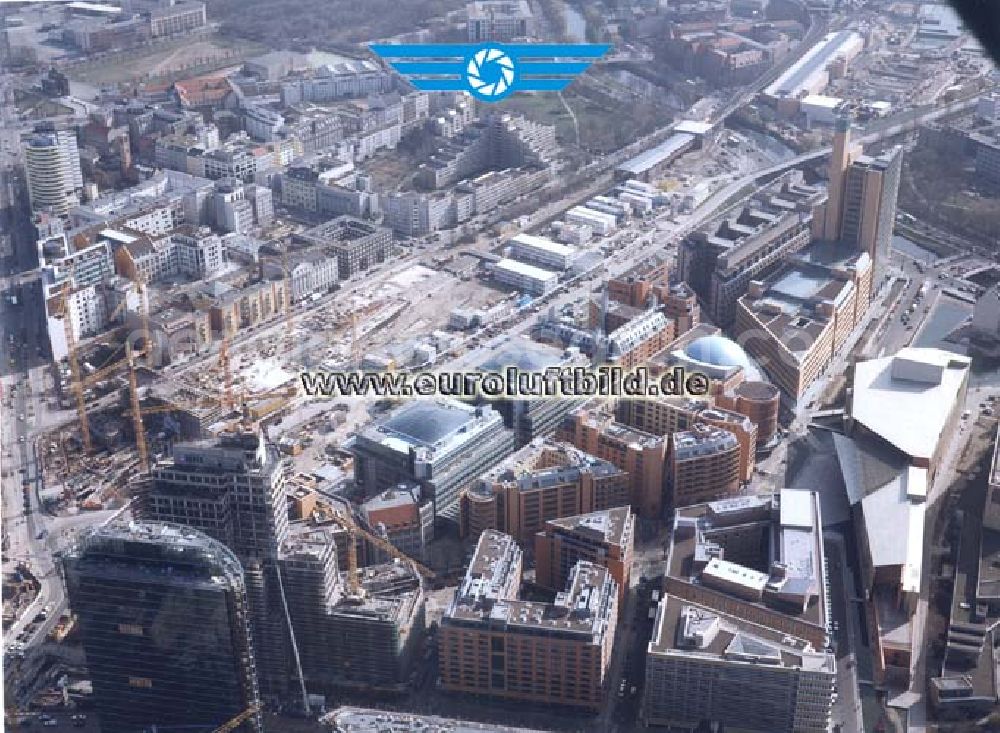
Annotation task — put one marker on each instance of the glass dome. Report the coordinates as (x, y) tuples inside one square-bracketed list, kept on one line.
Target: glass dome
[(718, 351)]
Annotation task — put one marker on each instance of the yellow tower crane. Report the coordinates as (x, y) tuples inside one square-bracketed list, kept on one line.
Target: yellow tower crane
[(236, 722), (74, 367), (345, 520)]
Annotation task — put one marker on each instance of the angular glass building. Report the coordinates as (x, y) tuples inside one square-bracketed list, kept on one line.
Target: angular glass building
[(164, 619)]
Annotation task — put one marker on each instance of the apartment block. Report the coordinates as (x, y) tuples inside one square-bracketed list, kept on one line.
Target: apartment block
[(664, 416), (491, 643), (704, 465)]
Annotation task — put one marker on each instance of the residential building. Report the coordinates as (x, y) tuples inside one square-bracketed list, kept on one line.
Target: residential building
[(640, 455), (665, 416), (491, 643), (164, 615)]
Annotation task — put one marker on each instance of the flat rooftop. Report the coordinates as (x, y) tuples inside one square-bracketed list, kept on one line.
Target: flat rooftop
[(431, 424), (611, 527), (683, 627), (793, 537), (488, 595), (907, 399), (365, 720)]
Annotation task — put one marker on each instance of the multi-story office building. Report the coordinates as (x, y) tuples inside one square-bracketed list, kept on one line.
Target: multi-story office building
[(720, 260), (442, 445), (740, 633), (542, 481), (178, 17), (499, 20), (704, 465), (871, 189), (795, 321), (531, 418), (164, 618), (491, 643), (664, 416), (542, 252), (52, 162), (604, 538), (401, 516), (356, 244), (233, 490), (524, 277), (641, 455)]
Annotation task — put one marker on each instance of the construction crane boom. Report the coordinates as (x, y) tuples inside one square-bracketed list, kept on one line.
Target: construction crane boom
[(74, 367), (140, 431), (231, 725), (345, 520)]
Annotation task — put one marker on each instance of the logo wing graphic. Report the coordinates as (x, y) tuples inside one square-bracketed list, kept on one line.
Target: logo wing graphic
[(521, 67)]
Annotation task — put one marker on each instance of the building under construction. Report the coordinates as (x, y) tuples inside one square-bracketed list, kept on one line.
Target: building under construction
[(366, 636), (164, 617), (233, 489)]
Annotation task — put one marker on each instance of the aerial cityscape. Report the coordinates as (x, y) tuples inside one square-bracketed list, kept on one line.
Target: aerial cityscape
[(499, 366)]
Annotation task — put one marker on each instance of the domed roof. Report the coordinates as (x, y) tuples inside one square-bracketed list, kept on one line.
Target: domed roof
[(718, 351)]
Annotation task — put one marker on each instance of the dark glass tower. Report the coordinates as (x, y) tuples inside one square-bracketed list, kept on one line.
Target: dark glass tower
[(164, 618)]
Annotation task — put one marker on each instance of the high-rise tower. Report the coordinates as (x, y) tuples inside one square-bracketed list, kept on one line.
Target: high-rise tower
[(164, 618), (52, 160), (840, 161), (233, 489)]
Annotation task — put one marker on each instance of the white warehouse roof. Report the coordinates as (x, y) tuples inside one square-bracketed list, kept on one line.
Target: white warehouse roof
[(820, 100), (530, 271), (546, 245)]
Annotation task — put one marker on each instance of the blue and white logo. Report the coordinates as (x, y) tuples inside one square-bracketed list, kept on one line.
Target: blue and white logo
[(491, 71)]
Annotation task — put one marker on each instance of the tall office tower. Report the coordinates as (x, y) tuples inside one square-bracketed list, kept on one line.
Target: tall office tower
[(53, 165), (164, 619), (233, 489), (870, 193), (840, 160)]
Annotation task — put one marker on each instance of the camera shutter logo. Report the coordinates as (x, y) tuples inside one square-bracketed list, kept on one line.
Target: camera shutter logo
[(493, 71)]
